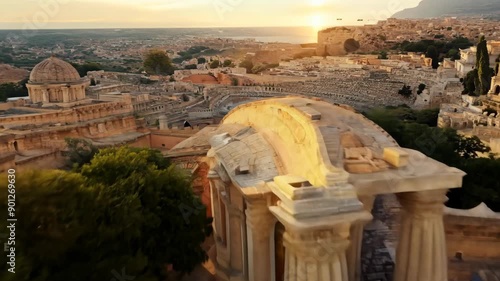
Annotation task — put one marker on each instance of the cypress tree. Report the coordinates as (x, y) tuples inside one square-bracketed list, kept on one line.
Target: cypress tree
[(483, 67), (432, 53)]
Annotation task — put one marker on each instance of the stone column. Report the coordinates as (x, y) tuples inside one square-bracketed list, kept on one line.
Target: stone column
[(354, 251), (45, 95), (316, 256), (235, 240), (421, 253), (65, 94), (260, 223)]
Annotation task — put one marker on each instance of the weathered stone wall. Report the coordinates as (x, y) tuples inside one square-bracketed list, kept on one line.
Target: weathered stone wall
[(477, 240), (331, 41), (68, 116), (473, 237), (142, 142), (50, 160), (54, 138), (99, 90), (338, 41), (486, 132), (167, 139), (201, 114)]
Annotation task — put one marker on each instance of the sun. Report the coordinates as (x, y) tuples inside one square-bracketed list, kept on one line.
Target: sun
[(317, 22)]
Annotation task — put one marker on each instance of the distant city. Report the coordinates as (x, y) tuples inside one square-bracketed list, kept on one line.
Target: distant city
[(365, 152)]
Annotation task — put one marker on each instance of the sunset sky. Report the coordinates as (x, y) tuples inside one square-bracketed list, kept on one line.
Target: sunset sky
[(17, 14)]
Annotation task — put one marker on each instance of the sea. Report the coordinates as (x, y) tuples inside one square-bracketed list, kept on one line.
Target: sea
[(294, 35)]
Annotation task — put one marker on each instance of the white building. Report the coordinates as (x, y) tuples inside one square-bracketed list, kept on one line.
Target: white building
[(467, 60)]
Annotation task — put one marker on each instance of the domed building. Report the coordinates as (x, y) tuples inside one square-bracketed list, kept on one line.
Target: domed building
[(55, 81)]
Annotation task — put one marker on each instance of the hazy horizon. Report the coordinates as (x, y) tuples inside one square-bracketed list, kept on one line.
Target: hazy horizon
[(93, 14)]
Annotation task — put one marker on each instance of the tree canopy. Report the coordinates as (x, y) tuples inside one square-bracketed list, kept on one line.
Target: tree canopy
[(158, 62), (86, 67), (405, 91), (248, 65), (478, 81), (12, 90), (215, 64), (469, 83), (417, 130), (80, 152), (383, 55), (125, 212)]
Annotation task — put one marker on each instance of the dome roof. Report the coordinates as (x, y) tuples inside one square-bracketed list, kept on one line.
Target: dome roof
[(54, 70)]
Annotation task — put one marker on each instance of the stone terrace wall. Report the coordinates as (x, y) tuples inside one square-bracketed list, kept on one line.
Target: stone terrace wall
[(69, 116), (477, 240), (358, 93), (99, 90), (473, 237), (53, 137)]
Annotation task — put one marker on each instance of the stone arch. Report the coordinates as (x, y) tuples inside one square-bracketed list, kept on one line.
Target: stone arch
[(288, 129), (16, 146), (351, 45), (497, 90)]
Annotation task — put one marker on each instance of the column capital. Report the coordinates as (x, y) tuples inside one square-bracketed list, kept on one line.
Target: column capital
[(320, 246), (423, 204), (258, 215), (317, 255)]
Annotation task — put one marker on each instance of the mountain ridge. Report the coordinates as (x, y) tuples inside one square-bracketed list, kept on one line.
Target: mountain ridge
[(457, 8)]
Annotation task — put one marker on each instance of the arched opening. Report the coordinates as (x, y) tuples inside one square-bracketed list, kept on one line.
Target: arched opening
[(497, 90), (16, 147), (351, 45), (279, 252)]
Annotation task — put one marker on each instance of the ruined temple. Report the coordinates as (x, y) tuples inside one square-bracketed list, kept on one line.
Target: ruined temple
[(56, 82), (292, 184)]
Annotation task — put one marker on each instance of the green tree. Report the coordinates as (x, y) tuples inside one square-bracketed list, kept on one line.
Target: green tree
[(202, 60), (470, 147), (234, 81), (405, 91), (215, 64), (191, 66), (421, 88), (383, 55), (453, 54), (158, 62), (86, 67), (248, 65), (434, 55), (483, 67), (176, 225), (121, 212), (478, 185), (411, 130), (12, 90), (469, 83), (80, 152), (227, 63)]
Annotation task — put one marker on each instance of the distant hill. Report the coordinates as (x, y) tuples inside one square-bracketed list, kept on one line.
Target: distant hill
[(440, 8), (11, 74)]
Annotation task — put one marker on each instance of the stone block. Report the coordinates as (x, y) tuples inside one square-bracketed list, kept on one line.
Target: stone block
[(396, 157)]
